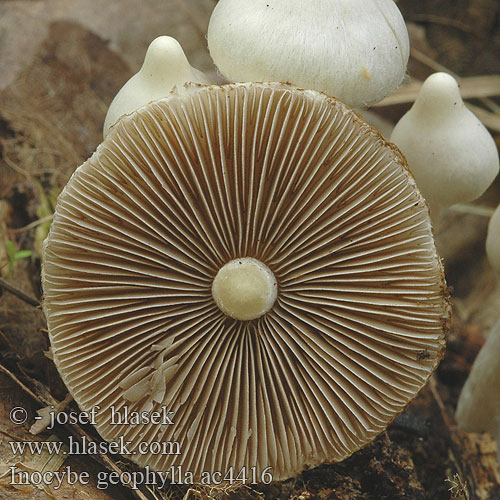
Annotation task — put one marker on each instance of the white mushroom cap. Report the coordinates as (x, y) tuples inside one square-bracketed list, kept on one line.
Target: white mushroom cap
[(165, 66), (450, 152), (354, 50), (478, 408), (493, 240), (322, 204)]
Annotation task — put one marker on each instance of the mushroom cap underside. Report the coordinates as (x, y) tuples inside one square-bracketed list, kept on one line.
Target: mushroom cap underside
[(288, 177)]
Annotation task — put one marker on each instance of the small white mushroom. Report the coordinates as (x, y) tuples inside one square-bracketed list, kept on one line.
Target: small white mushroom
[(493, 240), (482, 388), (354, 50), (450, 152), (165, 66), (478, 408)]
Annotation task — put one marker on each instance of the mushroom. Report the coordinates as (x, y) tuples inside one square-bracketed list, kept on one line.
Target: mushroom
[(255, 259), (478, 408), (450, 152), (493, 240), (482, 387), (165, 66), (355, 50)]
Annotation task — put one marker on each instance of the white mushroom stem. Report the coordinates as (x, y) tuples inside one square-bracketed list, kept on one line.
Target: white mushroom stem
[(354, 50), (493, 240), (478, 408), (165, 66), (244, 289), (451, 154)]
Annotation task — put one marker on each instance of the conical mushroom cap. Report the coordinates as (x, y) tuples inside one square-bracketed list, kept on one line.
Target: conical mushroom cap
[(451, 153), (294, 180)]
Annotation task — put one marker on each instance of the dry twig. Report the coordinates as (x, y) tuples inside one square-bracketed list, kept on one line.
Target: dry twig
[(18, 293)]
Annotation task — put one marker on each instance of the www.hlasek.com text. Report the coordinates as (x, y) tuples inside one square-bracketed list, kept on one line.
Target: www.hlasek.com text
[(84, 446)]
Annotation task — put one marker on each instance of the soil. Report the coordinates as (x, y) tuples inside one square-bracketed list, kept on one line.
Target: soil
[(61, 63)]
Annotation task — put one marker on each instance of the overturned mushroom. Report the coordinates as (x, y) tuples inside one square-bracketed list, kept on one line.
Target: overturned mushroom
[(338, 324)]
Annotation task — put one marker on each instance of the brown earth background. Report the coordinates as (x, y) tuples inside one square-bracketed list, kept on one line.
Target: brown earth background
[(61, 63)]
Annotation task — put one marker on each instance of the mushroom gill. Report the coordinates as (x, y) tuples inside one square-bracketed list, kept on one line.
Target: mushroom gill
[(287, 179)]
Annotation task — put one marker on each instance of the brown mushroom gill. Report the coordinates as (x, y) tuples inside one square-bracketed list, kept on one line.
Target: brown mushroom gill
[(294, 180)]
